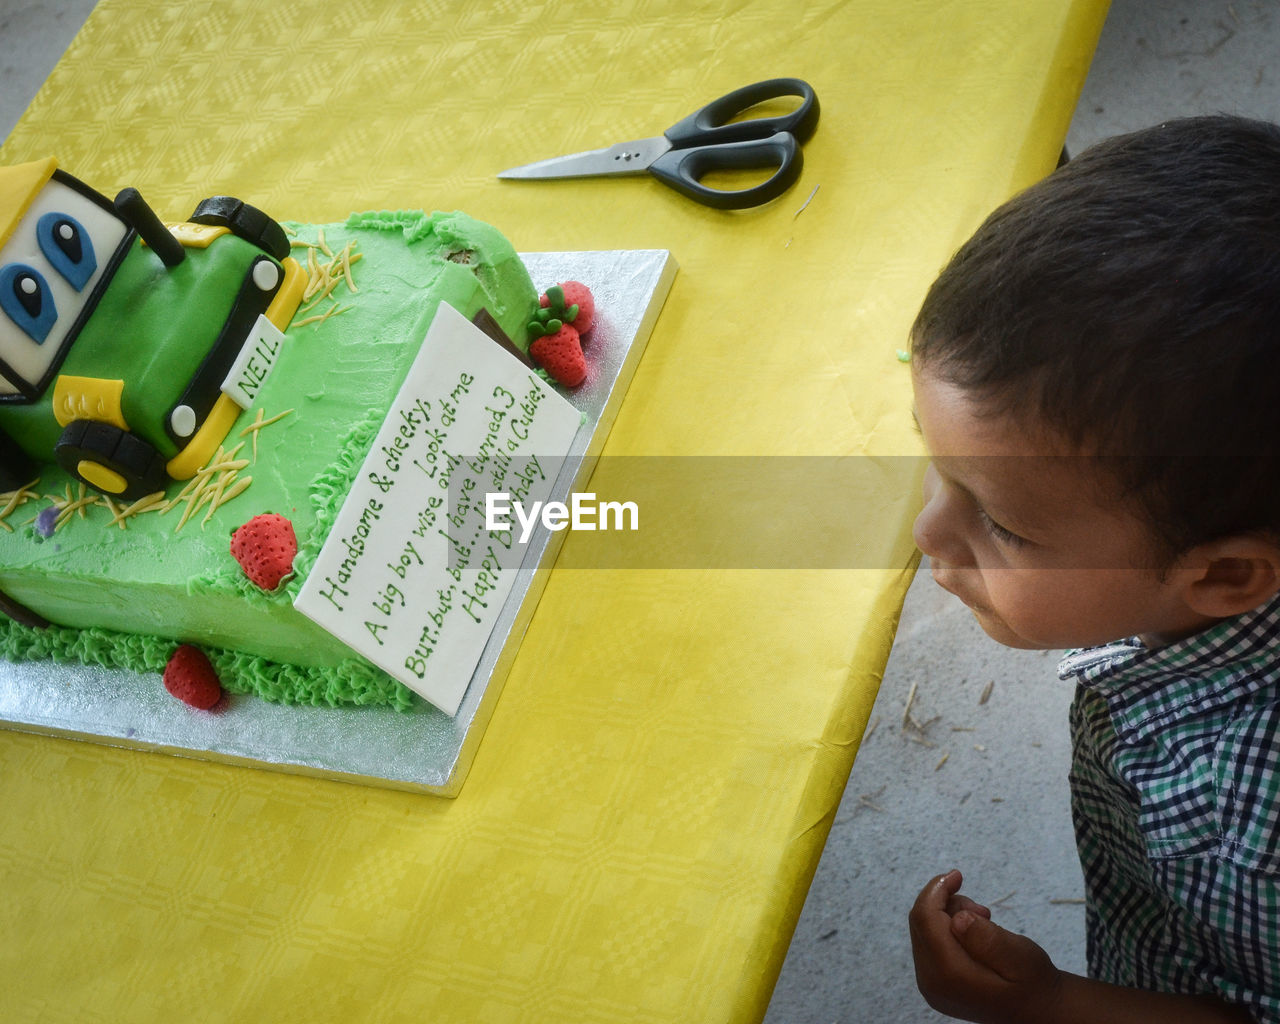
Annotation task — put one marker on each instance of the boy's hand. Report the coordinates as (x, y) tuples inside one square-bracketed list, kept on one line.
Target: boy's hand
[(971, 968)]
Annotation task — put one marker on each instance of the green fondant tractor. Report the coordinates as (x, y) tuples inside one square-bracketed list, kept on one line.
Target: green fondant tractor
[(122, 338)]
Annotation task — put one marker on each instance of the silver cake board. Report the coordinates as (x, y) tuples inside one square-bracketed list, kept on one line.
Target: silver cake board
[(422, 750)]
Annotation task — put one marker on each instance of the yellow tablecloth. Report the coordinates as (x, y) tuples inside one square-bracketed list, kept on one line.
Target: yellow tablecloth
[(651, 798)]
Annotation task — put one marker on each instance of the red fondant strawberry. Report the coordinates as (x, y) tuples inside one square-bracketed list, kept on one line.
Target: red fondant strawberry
[(572, 293), (190, 677), (265, 547), (560, 354)]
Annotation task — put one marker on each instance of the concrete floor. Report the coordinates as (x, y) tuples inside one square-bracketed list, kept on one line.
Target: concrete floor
[(33, 35), (983, 785)]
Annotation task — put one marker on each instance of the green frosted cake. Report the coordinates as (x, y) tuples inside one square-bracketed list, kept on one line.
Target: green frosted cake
[(163, 385)]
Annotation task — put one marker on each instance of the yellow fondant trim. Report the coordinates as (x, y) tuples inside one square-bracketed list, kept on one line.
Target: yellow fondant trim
[(102, 477), (195, 236), (202, 446), (289, 297), (19, 186), (88, 398)]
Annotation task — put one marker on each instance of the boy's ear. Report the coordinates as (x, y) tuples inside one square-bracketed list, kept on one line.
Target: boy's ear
[(1232, 575)]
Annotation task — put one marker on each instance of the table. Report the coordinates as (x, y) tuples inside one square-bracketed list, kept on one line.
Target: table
[(652, 795)]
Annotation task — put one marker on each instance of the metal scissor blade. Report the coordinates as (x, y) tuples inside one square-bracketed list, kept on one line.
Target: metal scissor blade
[(623, 158)]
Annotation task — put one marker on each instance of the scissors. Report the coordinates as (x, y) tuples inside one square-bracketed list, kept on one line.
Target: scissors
[(703, 142)]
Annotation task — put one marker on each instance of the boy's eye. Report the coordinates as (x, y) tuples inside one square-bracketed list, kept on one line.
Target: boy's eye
[(1000, 533)]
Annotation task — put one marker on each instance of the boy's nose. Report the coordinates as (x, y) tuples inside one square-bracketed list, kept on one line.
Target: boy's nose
[(931, 530)]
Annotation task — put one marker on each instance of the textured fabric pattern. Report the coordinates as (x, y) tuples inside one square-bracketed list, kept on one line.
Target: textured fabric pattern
[(1176, 797), (652, 794)]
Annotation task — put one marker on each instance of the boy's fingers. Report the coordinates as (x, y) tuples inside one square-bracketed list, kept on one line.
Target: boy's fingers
[(980, 937), (959, 902), (937, 891), (941, 893), (1014, 957), (929, 920)]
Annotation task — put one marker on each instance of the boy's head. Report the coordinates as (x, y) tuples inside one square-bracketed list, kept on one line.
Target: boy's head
[(1124, 313)]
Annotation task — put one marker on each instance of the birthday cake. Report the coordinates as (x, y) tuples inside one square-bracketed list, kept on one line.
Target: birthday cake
[(184, 408)]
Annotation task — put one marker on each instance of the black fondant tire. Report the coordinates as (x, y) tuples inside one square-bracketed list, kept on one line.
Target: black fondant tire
[(245, 221), (16, 467), (138, 467)]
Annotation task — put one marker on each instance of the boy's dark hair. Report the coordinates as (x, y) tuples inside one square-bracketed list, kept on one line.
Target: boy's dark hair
[(1131, 303)]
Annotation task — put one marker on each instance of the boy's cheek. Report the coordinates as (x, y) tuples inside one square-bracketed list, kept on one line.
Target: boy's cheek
[(1049, 610), (1012, 621)]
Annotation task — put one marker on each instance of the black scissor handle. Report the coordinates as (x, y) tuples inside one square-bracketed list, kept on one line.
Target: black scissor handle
[(682, 169), (707, 125)]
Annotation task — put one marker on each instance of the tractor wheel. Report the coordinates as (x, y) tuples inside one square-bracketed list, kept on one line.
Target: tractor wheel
[(245, 221), (114, 461)]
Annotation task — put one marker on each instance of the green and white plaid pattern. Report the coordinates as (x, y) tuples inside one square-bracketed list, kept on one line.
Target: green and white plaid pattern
[(1175, 784)]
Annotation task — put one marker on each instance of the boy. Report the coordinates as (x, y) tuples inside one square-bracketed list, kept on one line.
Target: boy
[(1097, 379)]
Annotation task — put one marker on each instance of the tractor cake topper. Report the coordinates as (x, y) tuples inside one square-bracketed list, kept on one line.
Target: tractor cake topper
[(128, 363), (130, 346)]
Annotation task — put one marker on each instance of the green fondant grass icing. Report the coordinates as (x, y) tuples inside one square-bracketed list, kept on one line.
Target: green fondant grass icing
[(354, 683)]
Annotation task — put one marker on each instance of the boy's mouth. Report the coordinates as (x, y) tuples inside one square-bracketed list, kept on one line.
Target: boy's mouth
[(942, 580)]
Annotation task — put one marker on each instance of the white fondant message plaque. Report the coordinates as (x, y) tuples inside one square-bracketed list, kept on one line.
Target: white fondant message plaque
[(409, 577)]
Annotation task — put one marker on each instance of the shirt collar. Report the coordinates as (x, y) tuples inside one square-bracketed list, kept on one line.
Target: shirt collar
[(1145, 688)]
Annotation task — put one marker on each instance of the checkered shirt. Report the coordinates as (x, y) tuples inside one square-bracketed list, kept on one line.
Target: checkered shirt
[(1175, 786)]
